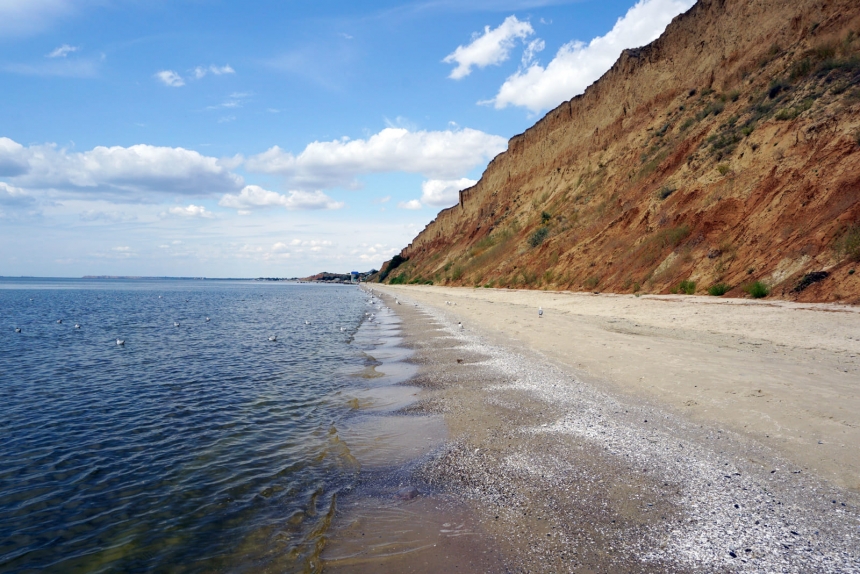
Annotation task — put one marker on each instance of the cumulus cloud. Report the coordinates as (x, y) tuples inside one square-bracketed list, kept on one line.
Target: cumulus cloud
[(170, 78), (435, 154), (62, 51), (443, 193), (201, 71), (12, 160), (577, 65), (10, 195), (411, 204), (130, 173), (255, 197), (490, 48), (190, 211)]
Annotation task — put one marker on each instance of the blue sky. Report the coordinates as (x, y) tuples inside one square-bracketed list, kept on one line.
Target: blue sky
[(225, 139)]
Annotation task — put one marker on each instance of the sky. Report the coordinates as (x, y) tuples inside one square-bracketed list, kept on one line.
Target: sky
[(271, 138)]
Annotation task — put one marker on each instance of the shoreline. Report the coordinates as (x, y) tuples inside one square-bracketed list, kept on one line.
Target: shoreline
[(567, 470)]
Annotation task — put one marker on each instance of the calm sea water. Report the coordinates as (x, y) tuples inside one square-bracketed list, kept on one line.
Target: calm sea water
[(193, 448)]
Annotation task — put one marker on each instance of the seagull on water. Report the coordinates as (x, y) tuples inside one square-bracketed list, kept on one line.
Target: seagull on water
[(77, 326), (342, 329), (17, 329), (59, 321), (176, 323), (307, 322), (540, 312), (207, 319), (120, 342), (273, 338)]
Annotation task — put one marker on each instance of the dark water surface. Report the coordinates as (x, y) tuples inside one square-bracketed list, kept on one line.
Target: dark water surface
[(193, 448)]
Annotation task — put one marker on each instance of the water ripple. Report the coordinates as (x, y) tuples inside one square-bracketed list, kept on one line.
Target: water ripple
[(192, 448)]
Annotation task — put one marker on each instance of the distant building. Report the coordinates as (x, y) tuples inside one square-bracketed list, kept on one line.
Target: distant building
[(356, 276)]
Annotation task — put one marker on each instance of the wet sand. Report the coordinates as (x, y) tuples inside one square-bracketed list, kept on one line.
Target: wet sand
[(638, 434)]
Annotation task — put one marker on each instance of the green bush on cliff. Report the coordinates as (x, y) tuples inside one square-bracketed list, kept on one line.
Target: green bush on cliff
[(757, 289), (848, 246), (687, 287), (395, 262), (538, 237)]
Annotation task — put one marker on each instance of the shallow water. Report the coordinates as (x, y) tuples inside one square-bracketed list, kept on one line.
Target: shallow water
[(193, 448)]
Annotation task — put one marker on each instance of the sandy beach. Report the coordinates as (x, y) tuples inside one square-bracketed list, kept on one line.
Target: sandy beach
[(622, 433)]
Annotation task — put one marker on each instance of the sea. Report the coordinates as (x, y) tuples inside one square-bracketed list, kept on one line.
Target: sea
[(196, 445)]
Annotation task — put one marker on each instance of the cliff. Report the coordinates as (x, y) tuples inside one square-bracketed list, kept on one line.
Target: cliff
[(724, 155)]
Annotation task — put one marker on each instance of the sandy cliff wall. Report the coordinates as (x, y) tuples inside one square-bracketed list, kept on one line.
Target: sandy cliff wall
[(725, 152)]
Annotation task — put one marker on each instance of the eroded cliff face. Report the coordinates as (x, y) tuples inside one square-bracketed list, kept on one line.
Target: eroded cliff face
[(724, 153)]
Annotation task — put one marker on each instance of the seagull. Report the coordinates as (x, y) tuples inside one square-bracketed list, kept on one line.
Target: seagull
[(342, 329), (175, 323), (159, 296), (540, 312), (120, 342), (273, 338), (460, 324), (59, 321), (17, 329), (307, 322), (207, 319), (77, 326)]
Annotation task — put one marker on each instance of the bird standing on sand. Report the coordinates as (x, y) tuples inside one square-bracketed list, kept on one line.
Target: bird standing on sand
[(540, 312), (460, 324)]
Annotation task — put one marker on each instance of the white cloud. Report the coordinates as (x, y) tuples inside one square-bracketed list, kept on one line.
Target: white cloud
[(226, 69), (411, 204), (10, 195), (62, 51), (577, 65), (443, 193), (491, 48), (385, 199), (170, 78), (254, 196), (200, 71), (131, 173), (190, 211), (436, 155), (531, 51)]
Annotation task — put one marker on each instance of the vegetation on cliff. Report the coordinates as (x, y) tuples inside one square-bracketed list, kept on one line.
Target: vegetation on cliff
[(723, 158)]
